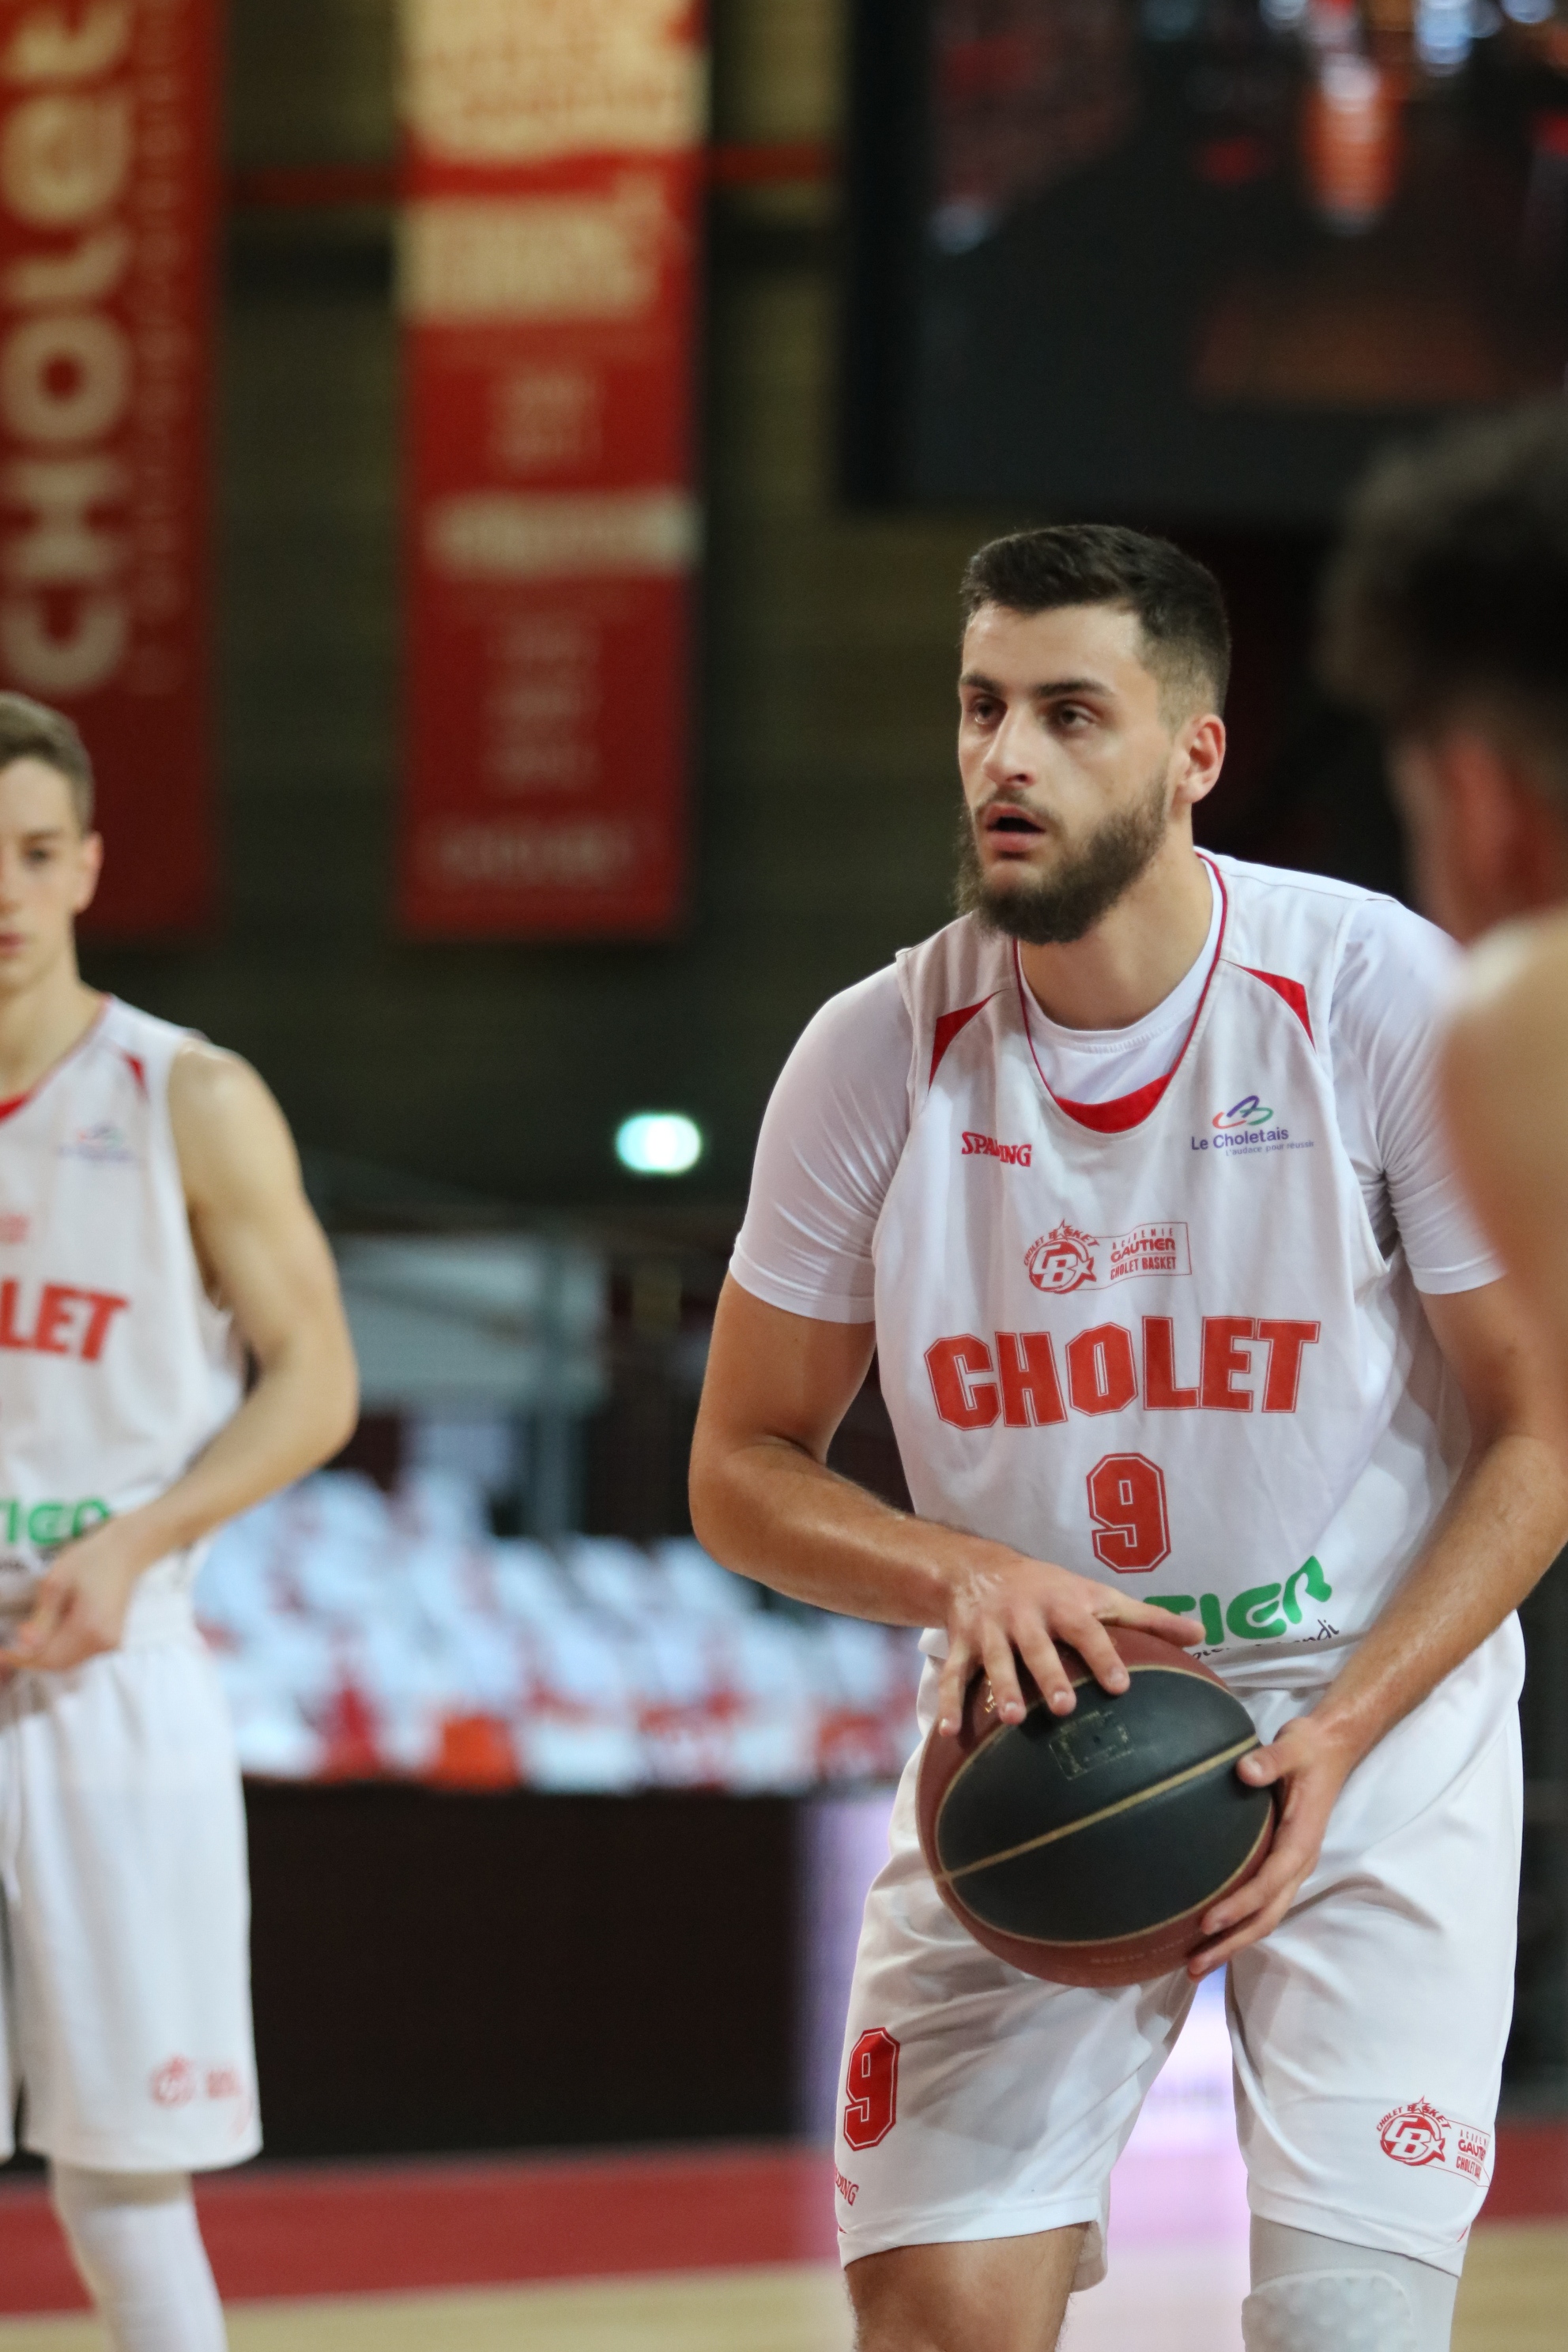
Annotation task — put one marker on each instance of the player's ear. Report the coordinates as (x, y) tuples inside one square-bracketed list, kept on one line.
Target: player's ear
[(1487, 841), (1201, 745), (89, 868)]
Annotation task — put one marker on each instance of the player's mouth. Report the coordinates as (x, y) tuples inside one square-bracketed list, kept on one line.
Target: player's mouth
[(1009, 831)]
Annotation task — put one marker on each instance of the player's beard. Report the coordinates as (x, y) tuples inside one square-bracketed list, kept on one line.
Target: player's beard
[(1061, 906)]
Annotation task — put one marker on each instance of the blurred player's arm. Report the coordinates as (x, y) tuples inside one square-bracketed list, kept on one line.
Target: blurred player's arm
[(764, 1502), (265, 1257), (1504, 1075), (1503, 1527)]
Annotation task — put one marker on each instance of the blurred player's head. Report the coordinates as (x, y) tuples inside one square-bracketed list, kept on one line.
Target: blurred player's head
[(1094, 669), (49, 854), (1445, 616)]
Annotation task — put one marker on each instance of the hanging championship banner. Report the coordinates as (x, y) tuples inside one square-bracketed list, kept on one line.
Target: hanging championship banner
[(108, 205), (548, 289)]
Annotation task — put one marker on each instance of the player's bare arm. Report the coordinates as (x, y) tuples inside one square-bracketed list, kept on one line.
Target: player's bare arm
[(1504, 1524), (1508, 1048), (763, 1500), (265, 1258)]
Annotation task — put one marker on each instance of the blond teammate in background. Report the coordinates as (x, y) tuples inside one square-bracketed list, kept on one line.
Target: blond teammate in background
[(1447, 618), (152, 1233)]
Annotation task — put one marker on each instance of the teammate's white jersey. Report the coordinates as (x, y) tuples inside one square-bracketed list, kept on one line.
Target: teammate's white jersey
[(115, 1367), (1173, 1357)]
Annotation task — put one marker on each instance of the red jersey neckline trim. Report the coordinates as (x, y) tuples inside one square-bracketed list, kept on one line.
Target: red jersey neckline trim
[(19, 1102), (1127, 1111)]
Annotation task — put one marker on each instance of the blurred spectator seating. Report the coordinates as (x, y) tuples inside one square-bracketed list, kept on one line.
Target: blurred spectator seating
[(362, 1634)]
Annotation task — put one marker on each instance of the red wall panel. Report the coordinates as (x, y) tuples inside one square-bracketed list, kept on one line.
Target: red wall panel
[(548, 285), (108, 206)]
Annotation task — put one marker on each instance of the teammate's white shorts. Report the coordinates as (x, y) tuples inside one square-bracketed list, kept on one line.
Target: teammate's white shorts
[(125, 1984), (1368, 2030)]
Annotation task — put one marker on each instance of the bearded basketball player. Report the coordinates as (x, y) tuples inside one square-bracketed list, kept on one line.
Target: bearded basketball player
[(153, 1234), (1448, 619), (1132, 1178)]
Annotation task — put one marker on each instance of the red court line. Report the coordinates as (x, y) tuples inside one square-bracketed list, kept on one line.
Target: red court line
[(304, 2230), (356, 2228)]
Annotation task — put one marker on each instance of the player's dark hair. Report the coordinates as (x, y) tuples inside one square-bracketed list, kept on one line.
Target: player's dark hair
[(1451, 585), (1180, 609), (31, 730)]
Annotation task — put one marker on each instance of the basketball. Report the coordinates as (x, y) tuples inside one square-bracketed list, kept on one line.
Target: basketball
[(1086, 1848)]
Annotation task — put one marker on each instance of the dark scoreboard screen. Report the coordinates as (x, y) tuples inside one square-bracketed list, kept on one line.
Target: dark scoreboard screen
[(1195, 259)]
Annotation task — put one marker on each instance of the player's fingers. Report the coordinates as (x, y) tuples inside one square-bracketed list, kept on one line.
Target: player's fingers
[(38, 1628), (1262, 1766), (1139, 1618), (1265, 1887), (1100, 1654), (1250, 1931), (1001, 1673), (72, 1643), (952, 1684), (1041, 1656)]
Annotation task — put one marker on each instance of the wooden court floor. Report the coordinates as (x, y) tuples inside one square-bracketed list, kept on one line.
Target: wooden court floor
[(1513, 2299)]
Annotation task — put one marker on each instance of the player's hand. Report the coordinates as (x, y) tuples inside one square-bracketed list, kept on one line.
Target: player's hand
[(1310, 1764), (1003, 1602), (79, 1608)]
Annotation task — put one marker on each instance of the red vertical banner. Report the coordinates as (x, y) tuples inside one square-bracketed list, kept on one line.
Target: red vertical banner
[(548, 281), (108, 213)]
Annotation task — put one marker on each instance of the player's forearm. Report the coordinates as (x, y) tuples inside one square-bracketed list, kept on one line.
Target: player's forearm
[(769, 1510), (300, 1412), (1504, 1525)]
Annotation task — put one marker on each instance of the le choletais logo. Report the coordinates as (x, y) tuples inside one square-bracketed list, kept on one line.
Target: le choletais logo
[(1247, 1112), (1247, 1125)]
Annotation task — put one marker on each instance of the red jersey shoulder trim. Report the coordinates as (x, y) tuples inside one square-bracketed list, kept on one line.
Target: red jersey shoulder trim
[(1294, 994), (947, 1025)]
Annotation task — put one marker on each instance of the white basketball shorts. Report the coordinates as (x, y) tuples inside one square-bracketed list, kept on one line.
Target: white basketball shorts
[(125, 1982), (1368, 2029)]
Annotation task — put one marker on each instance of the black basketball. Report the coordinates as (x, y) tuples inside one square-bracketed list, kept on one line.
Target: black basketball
[(1086, 1848)]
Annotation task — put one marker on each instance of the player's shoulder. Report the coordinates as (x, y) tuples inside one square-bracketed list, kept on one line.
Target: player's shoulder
[(139, 1036), (1320, 912), (958, 968), (169, 1058), (1512, 999)]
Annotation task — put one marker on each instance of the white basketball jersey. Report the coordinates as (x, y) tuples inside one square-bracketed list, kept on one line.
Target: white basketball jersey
[(1171, 1356), (115, 1368)]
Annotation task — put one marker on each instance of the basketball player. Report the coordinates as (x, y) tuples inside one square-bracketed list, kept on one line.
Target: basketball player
[(1132, 1178), (152, 1232), (1447, 618)]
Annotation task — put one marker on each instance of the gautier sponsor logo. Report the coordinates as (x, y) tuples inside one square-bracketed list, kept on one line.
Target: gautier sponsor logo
[(1069, 1259)]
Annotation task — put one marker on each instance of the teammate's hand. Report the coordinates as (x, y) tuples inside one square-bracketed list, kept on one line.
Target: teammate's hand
[(1002, 1603), (1311, 1764), (79, 1611)]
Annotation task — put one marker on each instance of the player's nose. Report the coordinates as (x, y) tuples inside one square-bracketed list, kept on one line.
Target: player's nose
[(1010, 754)]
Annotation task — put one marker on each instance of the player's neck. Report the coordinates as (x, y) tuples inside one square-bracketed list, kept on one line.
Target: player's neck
[(40, 1022), (1136, 955)]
